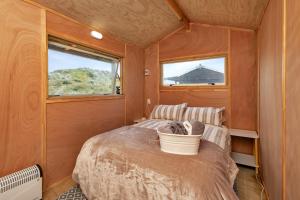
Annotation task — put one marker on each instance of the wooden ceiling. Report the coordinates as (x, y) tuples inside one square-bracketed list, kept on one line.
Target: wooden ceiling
[(237, 13), (142, 22)]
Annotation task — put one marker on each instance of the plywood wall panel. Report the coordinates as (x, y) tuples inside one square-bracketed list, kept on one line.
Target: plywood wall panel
[(67, 29), (243, 80), (20, 81), (70, 124), (152, 81), (270, 86), (198, 98), (205, 41), (292, 152), (133, 71), (200, 40)]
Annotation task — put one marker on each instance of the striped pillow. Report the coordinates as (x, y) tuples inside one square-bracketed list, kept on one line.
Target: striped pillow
[(217, 135), (171, 112), (207, 115)]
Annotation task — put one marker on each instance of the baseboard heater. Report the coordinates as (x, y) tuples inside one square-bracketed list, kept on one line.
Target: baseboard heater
[(25, 184)]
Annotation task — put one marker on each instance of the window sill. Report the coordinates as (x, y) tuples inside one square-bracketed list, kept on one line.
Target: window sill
[(194, 88), (66, 99)]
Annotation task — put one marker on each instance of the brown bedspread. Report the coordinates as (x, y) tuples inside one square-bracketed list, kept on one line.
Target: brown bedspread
[(127, 163)]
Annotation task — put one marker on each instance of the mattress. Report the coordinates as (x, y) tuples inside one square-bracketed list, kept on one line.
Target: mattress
[(127, 163)]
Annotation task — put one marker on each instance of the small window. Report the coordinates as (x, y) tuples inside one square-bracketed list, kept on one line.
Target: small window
[(75, 70), (199, 72)]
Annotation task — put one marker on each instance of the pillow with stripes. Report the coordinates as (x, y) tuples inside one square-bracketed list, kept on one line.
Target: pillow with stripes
[(207, 115), (170, 112)]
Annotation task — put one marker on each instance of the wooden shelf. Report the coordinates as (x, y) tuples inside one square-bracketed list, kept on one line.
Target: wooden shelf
[(243, 133), (244, 159)]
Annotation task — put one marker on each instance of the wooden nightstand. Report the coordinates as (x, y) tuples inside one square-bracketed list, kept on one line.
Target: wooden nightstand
[(245, 159)]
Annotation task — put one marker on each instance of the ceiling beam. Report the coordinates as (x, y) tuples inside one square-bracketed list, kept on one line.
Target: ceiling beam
[(178, 12)]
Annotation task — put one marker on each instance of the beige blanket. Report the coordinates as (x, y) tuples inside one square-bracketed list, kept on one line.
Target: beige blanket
[(127, 163)]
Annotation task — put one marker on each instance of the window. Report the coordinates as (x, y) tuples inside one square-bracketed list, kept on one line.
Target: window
[(76, 70), (208, 71)]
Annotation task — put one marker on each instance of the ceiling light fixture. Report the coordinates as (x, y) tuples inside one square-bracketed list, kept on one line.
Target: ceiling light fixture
[(96, 35)]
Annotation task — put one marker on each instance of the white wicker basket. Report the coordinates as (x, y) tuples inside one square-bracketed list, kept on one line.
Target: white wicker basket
[(179, 144)]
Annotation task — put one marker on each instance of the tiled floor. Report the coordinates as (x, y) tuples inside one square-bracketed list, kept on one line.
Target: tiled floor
[(248, 187)]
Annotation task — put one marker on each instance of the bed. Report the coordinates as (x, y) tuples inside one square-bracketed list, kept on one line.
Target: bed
[(127, 163)]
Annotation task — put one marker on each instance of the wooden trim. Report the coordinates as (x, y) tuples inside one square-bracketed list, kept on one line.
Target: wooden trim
[(44, 58), (258, 82), (228, 69), (178, 12), (263, 14), (199, 89), (67, 99), (86, 48), (159, 73), (193, 57), (194, 86), (263, 183), (67, 38), (258, 97), (222, 26), (283, 79), (170, 34), (125, 101)]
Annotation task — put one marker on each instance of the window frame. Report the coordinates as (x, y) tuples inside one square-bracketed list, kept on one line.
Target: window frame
[(83, 97), (194, 86)]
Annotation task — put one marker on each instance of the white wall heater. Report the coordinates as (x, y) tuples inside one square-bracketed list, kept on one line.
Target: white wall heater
[(22, 185)]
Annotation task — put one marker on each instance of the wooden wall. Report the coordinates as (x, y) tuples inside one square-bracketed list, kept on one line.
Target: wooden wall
[(292, 67), (20, 79), (70, 124), (134, 82), (239, 97), (78, 120), (151, 82), (50, 132), (243, 72), (270, 101)]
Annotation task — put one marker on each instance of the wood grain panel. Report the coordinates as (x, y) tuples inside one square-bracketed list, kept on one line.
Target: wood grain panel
[(195, 97), (134, 83), (20, 80), (237, 13), (243, 80), (200, 41), (69, 125), (270, 60), (137, 22), (78, 33), (152, 81), (242, 145), (145, 22), (292, 151)]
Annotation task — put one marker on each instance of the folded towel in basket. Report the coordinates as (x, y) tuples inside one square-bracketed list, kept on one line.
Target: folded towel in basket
[(174, 128), (178, 128), (197, 127)]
